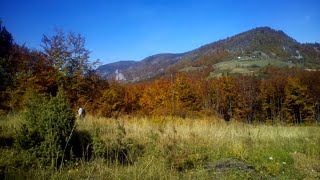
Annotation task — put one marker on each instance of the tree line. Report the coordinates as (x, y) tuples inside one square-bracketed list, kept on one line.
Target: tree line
[(277, 95)]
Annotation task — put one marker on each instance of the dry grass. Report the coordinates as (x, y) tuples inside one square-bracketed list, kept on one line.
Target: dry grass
[(175, 148), (208, 129), (268, 148)]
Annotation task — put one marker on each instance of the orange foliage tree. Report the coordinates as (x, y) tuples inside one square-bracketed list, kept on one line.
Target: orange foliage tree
[(185, 96), (224, 96), (156, 98), (298, 104), (111, 103), (248, 98), (272, 97), (133, 93)]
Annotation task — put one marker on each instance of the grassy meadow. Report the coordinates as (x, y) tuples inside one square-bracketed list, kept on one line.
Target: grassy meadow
[(247, 66), (174, 148)]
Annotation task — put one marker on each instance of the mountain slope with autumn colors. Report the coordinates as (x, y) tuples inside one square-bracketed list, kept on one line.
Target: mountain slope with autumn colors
[(243, 53)]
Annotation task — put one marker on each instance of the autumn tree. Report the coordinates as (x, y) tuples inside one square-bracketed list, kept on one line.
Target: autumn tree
[(112, 101), (311, 80), (67, 54), (64, 62), (22, 69), (91, 88), (31, 73), (248, 98), (133, 94), (272, 97), (224, 95), (298, 104), (157, 98), (185, 97)]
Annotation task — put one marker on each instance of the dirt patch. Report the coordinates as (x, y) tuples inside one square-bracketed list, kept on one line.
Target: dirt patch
[(230, 165)]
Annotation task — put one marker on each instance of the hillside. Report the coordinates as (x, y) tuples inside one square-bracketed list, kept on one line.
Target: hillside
[(249, 51), (108, 70), (139, 70)]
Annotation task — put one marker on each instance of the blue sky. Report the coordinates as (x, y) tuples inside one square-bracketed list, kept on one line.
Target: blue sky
[(132, 30)]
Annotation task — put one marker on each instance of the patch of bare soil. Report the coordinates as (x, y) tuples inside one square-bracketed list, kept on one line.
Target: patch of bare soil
[(230, 164)]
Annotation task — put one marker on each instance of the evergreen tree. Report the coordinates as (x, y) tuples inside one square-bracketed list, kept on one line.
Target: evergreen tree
[(6, 43), (48, 127)]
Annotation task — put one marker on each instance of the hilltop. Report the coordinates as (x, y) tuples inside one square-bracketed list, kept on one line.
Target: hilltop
[(243, 53)]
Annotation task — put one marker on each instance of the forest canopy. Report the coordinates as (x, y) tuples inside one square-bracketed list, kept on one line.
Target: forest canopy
[(281, 95)]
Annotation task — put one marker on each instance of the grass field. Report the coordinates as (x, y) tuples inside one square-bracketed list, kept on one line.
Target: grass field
[(174, 148), (236, 66)]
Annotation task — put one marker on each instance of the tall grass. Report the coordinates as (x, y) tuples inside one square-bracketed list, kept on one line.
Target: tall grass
[(203, 148)]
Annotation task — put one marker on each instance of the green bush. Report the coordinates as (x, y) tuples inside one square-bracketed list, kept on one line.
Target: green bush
[(98, 145), (49, 124)]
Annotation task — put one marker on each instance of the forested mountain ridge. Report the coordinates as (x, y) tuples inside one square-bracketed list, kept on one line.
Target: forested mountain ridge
[(253, 46)]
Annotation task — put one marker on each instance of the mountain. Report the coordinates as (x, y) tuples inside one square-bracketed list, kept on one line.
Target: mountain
[(151, 66), (139, 70), (107, 71), (243, 53)]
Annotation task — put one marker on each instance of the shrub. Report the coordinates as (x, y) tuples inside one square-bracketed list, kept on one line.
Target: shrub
[(98, 145), (49, 123)]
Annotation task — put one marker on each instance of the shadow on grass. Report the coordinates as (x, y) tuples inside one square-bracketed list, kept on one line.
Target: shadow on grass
[(6, 142)]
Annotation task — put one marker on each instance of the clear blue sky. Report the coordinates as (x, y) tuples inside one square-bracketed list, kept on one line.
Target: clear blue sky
[(132, 30)]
